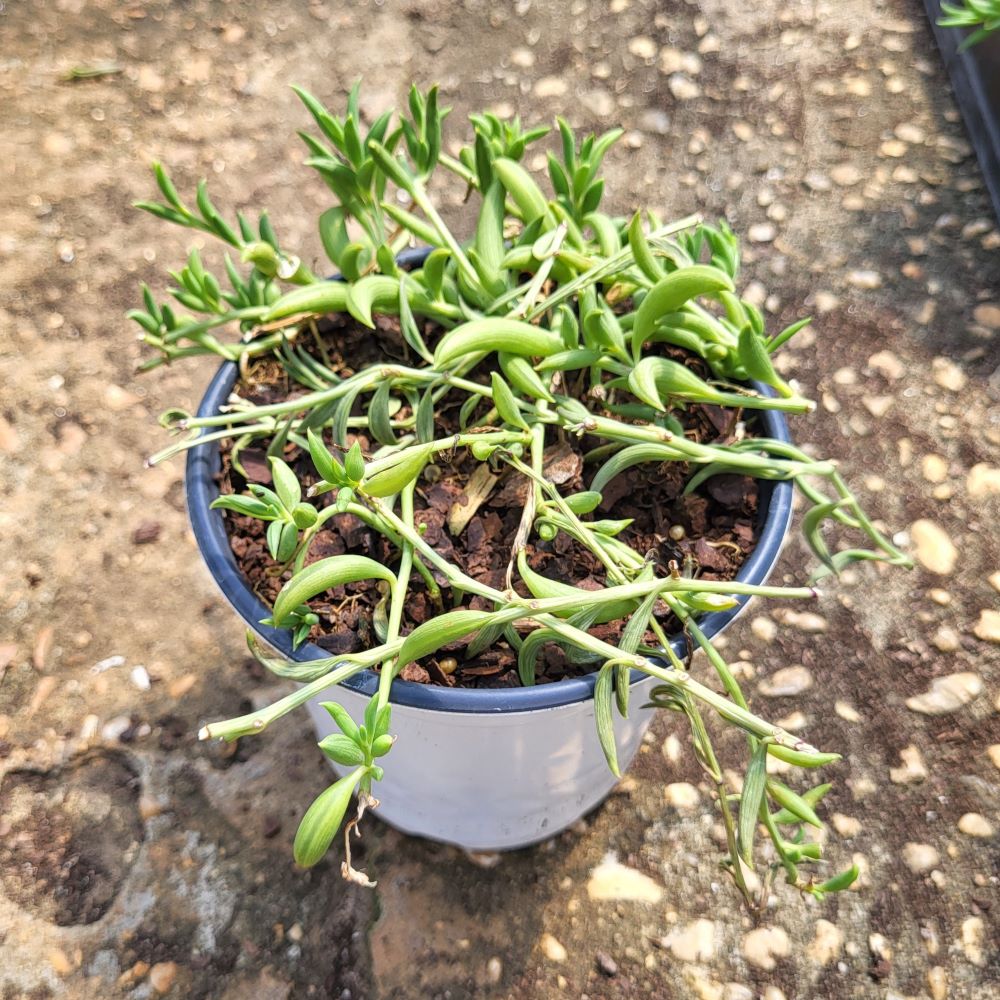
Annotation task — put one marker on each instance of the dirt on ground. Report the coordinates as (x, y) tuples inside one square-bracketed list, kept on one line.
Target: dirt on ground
[(137, 862)]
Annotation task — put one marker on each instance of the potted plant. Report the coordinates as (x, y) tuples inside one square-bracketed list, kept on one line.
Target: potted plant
[(968, 35), (487, 496)]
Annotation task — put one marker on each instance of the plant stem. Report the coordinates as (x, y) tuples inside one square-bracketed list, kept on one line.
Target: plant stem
[(257, 722), (398, 598)]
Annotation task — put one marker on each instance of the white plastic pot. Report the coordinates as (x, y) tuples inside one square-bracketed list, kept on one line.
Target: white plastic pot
[(492, 781)]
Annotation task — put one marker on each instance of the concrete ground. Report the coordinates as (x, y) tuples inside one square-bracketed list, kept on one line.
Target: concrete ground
[(137, 862)]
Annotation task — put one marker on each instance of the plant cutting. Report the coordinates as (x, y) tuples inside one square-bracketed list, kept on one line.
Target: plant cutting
[(546, 453), (981, 17), (968, 35)]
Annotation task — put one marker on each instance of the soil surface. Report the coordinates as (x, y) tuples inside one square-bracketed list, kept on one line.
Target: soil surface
[(716, 523), (827, 134)]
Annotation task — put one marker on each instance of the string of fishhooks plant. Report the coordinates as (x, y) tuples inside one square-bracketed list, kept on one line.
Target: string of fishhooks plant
[(553, 322), (981, 17)]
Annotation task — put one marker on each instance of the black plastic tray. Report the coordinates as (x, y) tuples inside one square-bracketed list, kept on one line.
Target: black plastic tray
[(975, 79)]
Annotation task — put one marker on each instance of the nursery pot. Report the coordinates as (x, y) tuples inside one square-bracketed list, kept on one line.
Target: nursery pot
[(483, 769)]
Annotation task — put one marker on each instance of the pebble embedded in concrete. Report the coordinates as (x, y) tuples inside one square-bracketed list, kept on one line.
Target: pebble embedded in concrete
[(682, 795), (694, 942), (552, 948), (934, 548), (162, 976), (866, 280), (937, 982), (988, 626), (827, 943), (973, 933), (612, 880), (976, 825), (913, 770), (764, 629), (983, 480), (948, 375), (946, 639), (934, 468), (947, 694), (786, 682), (763, 946), (846, 826), (494, 970), (920, 858)]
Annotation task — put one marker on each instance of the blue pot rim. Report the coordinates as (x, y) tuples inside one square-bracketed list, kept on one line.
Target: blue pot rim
[(204, 462)]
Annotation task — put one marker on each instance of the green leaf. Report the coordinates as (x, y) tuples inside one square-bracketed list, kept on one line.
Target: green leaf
[(354, 464), (342, 750), (656, 377), (842, 881), (371, 711), (543, 587), (637, 624), (327, 123), (794, 803), (341, 414), (750, 800), (166, 185), (671, 292), (318, 299), (322, 576), (757, 362), (489, 232), (523, 377), (288, 539), (333, 233), (274, 538), (521, 186), (433, 271), (641, 251), (800, 758), (388, 480), (812, 523), (603, 694), (424, 420), (422, 230), (408, 325), (776, 341), (786, 818), (390, 166), (438, 632), (322, 820), (244, 505), (700, 601), (527, 655), (374, 291), (286, 484), (505, 403), (570, 361), (326, 465), (304, 515), (583, 503), (483, 336), (352, 261), (627, 457), (342, 718), (379, 421)]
